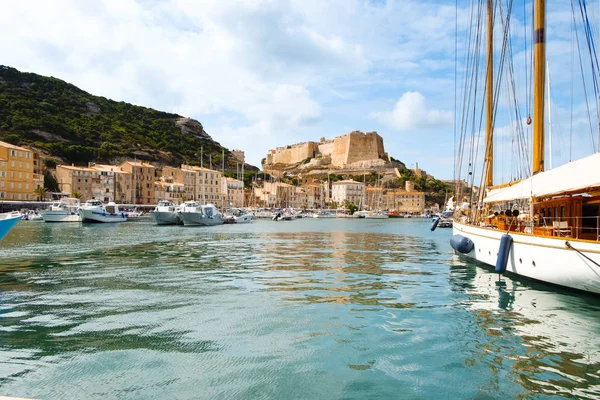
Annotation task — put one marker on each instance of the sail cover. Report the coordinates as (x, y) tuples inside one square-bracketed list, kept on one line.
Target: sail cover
[(576, 176)]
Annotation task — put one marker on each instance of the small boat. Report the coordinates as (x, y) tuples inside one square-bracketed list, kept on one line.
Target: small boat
[(29, 215), (238, 216), (7, 222), (194, 214), (65, 210), (377, 215), (96, 211), (166, 213)]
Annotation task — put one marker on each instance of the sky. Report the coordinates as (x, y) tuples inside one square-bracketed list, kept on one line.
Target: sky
[(260, 74)]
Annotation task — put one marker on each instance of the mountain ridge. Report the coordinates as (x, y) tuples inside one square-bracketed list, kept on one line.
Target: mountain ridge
[(65, 122)]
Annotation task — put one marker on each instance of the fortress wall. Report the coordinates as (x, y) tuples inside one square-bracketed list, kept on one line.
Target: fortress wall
[(295, 153), (341, 148), (326, 148), (363, 147)]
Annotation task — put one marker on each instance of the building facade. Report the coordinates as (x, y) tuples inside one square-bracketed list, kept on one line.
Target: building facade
[(347, 191), (143, 176), (16, 173)]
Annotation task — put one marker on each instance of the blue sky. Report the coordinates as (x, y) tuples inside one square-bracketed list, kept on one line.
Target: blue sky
[(262, 74)]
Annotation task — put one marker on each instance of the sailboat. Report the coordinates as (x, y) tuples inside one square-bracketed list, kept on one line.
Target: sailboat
[(544, 227)]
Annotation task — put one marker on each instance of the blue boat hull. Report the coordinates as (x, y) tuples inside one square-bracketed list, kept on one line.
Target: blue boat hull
[(6, 224)]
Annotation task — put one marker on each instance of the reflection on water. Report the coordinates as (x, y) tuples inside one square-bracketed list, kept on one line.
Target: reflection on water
[(302, 309)]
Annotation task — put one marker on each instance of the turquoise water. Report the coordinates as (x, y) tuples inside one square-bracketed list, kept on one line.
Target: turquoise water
[(305, 309)]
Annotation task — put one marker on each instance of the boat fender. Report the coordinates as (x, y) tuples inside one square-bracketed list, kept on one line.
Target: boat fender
[(462, 244), (122, 215), (435, 223), (104, 214), (503, 252)]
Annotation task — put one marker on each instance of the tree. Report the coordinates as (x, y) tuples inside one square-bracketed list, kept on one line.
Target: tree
[(76, 195), (351, 207), (50, 183), (40, 192)]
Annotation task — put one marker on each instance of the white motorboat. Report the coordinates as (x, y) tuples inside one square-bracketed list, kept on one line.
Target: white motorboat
[(194, 214), (377, 215), (64, 210), (96, 211), (166, 213), (238, 216), (8, 221)]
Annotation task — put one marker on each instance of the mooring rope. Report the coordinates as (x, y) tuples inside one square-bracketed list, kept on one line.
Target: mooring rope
[(573, 248)]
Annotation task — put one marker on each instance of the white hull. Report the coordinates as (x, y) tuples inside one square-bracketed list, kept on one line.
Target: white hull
[(59, 216), (243, 219), (98, 216), (199, 219), (546, 259), (165, 218)]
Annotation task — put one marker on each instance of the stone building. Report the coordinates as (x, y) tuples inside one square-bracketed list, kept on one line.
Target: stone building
[(354, 150), (143, 176), (17, 173), (82, 180), (234, 190), (406, 201), (114, 184)]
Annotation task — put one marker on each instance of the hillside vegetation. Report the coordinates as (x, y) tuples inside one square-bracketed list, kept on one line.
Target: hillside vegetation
[(74, 126)]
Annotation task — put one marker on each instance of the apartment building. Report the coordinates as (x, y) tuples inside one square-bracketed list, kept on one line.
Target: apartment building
[(209, 186), (16, 173), (167, 188), (82, 180), (143, 176), (114, 184), (347, 190), (234, 190)]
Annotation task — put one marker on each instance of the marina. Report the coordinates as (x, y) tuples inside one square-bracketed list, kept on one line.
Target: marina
[(316, 308)]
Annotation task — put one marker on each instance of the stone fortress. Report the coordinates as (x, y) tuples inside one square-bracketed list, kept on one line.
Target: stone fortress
[(355, 150)]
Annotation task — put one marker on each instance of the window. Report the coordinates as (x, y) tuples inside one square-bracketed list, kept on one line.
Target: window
[(27, 175), (26, 197), (20, 165), (12, 163), (12, 185), (13, 153), (27, 186), (27, 156), (20, 175), (20, 154)]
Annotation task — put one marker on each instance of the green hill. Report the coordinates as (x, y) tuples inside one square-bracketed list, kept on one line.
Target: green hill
[(68, 123)]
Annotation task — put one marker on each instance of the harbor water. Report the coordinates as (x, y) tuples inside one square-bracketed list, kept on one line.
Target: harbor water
[(304, 309)]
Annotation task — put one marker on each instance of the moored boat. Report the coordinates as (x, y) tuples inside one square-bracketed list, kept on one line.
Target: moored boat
[(96, 211), (194, 214), (64, 210), (7, 222), (166, 213), (544, 227)]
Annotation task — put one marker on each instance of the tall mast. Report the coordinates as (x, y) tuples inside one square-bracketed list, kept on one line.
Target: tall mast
[(539, 72), (489, 91)]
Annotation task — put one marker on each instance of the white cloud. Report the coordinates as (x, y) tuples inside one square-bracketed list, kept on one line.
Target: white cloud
[(411, 113)]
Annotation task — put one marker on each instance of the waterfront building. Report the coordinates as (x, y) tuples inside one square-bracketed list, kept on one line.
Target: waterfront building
[(72, 179), (208, 185), (167, 188), (143, 175), (407, 201), (113, 184), (16, 173), (347, 191), (234, 190)]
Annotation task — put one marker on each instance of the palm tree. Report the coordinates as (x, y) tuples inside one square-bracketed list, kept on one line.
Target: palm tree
[(40, 192), (76, 195)]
